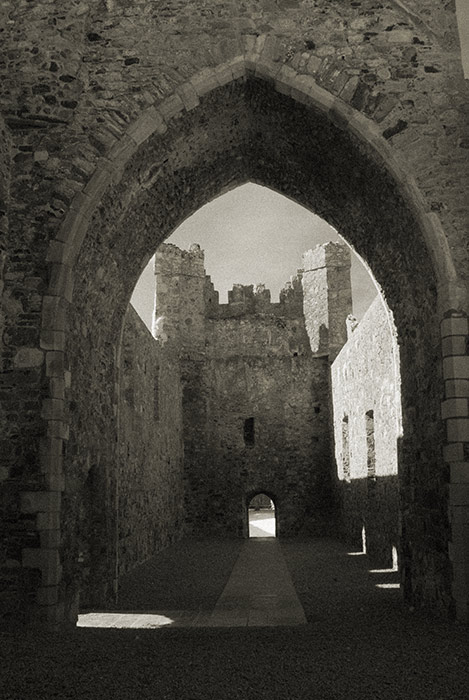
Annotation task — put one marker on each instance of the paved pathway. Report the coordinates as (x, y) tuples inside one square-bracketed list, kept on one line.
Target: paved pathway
[(259, 593), (360, 642)]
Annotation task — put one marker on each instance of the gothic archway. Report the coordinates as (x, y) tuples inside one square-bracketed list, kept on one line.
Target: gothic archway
[(285, 133)]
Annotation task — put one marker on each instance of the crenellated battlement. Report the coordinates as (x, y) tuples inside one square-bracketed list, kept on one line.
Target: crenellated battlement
[(318, 296), (171, 260)]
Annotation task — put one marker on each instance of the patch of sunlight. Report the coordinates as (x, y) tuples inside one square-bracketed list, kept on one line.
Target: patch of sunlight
[(388, 585), (381, 571), (261, 524), (123, 620)]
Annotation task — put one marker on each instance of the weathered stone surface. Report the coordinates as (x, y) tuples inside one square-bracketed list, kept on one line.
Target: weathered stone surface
[(74, 80), (366, 386), (150, 477)]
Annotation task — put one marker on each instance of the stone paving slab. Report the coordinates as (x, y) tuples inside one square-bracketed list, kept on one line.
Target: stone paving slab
[(259, 593)]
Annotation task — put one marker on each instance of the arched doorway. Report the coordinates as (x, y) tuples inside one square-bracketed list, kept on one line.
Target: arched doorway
[(313, 154), (262, 520)]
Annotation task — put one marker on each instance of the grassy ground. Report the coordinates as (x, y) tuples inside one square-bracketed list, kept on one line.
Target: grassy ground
[(360, 643)]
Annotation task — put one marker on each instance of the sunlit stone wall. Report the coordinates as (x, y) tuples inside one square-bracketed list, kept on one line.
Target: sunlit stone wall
[(367, 430)]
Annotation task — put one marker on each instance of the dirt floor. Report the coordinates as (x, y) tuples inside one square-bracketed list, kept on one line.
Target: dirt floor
[(360, 642)]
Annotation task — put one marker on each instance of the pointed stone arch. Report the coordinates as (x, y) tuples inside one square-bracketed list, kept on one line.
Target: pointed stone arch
[(446, 298)]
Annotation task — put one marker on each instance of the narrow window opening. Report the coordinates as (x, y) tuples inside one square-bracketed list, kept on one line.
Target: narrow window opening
[(345, 449), (249, 434), (261, 514), (370, 445)]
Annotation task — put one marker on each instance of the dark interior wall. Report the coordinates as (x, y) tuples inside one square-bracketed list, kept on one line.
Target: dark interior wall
[(150, 488)]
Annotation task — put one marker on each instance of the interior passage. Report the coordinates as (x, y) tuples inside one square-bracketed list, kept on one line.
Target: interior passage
[(358, 640), (262, 518), (260, 591)]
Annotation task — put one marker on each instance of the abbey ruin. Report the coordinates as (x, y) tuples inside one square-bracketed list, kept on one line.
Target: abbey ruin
[(118, 120), (226, 401)]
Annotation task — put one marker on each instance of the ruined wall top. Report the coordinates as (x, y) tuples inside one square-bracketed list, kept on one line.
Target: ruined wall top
[(318, 296), (331, 254), (171, 260)]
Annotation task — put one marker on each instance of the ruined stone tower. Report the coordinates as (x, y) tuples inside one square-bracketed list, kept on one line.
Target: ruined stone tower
[(254, 362)]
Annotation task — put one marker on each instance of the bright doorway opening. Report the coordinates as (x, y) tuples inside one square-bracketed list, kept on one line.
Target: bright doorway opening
[(261, 514)]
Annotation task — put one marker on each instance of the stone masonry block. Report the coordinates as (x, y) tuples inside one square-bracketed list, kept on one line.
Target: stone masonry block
[(50, 539), (454, 345), (100, 180), (223, 75), (73, 231), (55, 363), (300, 88), (268, 71), (456, 367), (53, 313), (47, 560), (55, 482), (52, 340), (149, 122), (457, 429), (48, 521), (453, 408), (52, 409), (51, 453), (47, 595), (453, 452), (460, 473), (459, 494), (28, 357), (457, 387), (188, 95), (459, 514), (171, 106), (205, 81), (238, 67), (61, 280), (57, 388), (58, 429), (455, 325), (122, 150), (284, 79), (462, 606), (40, 501), (319, 97), (56, 251)]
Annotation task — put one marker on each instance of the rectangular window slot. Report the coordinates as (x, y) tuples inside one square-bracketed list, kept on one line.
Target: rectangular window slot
[(249, 435), (370, 445)]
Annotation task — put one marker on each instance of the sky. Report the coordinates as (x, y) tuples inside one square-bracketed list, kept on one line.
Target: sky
[(253, 235)]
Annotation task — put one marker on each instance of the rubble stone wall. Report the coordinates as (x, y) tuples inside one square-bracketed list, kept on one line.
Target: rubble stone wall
[(258, 368), (151, 497), (255, 400), (126, 117)]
